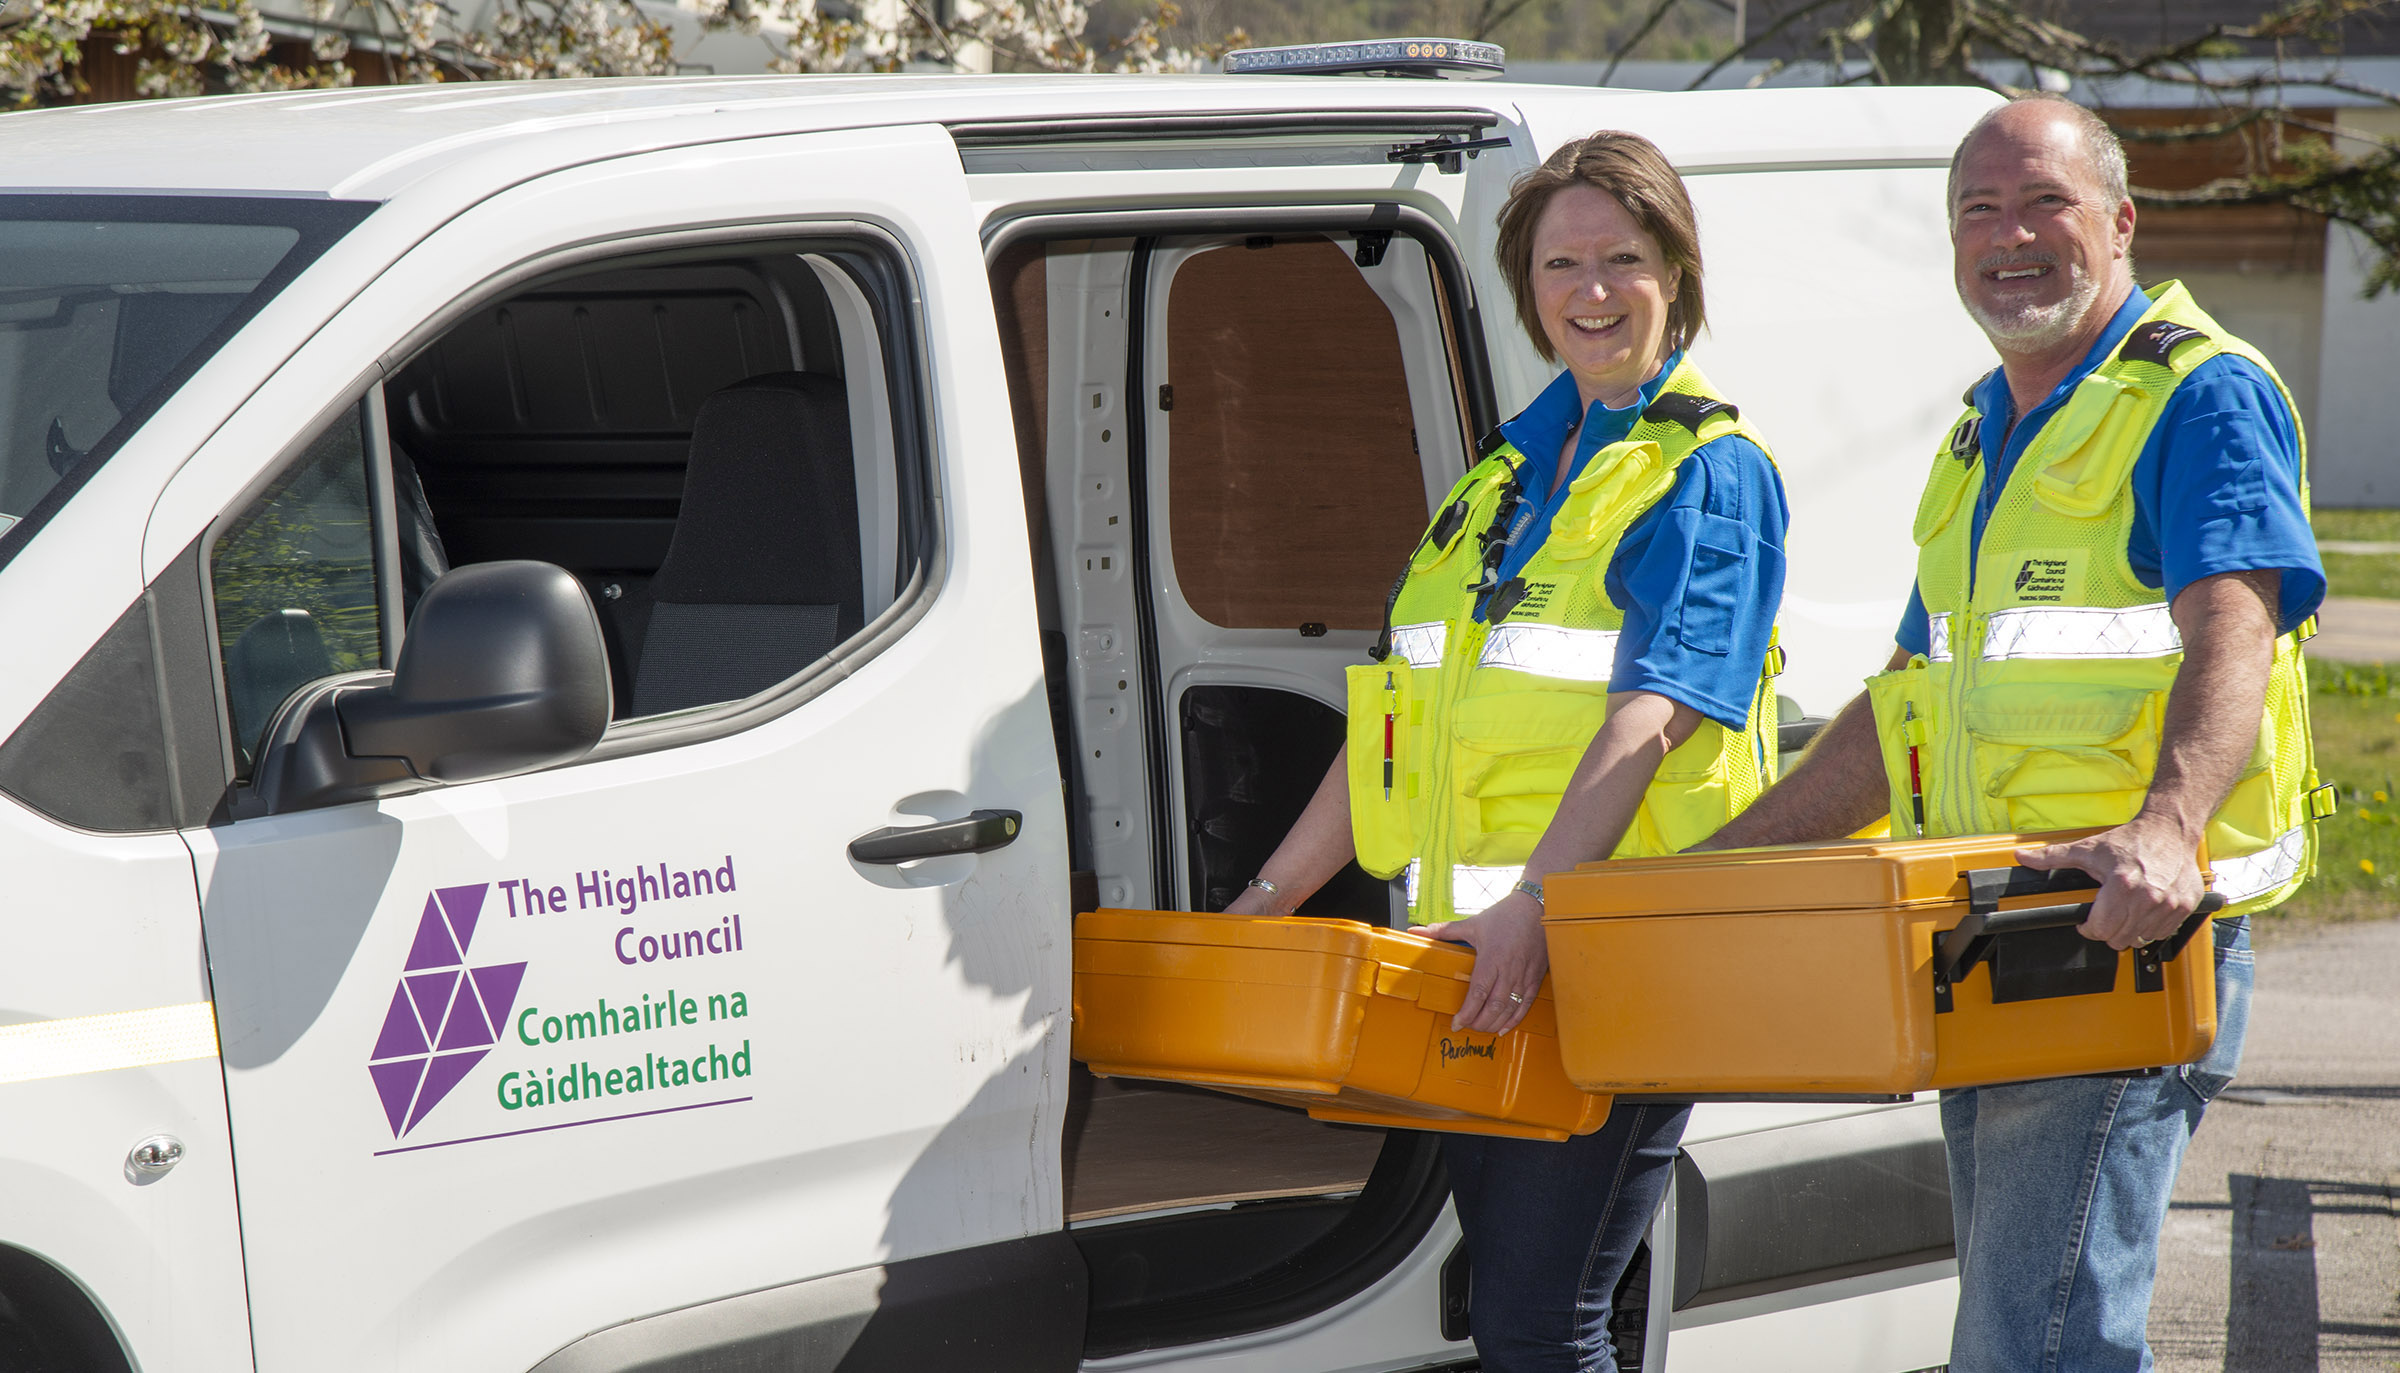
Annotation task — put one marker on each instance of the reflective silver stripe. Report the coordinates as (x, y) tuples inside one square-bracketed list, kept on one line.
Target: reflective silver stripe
[(1571, 655), (1420, 644), (1415, 867), (2256, 874), (2046, 631), (102, 1043), (1475, 890), (1937, 639)]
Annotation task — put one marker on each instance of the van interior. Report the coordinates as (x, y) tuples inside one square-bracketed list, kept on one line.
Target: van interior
[(1229, 442)]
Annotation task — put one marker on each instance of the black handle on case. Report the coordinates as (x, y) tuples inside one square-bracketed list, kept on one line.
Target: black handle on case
[(1988, 887), (1967, 943)]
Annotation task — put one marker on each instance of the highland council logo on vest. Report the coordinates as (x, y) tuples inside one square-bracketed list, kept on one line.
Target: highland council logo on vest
[(2046, 579), (445, 1015)]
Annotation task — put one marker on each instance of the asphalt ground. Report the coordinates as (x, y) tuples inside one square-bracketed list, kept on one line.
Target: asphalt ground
[(2355, 629), (2282, 1249)]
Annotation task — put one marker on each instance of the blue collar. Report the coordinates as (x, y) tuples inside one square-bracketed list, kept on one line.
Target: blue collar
[(1998, 407), (1540, 429)]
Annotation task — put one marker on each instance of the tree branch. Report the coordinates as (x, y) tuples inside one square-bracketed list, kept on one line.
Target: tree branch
[(1657, 12), (1786, 21)]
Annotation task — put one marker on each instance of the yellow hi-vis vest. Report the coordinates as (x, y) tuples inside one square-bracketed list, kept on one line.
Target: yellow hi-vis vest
[(2040, 701), (1463, 736)]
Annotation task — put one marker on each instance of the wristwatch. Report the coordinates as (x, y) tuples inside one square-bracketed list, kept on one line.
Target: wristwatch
[(1534, 890)]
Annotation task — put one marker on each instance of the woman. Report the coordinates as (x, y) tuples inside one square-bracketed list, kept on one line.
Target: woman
[(1576, 665)]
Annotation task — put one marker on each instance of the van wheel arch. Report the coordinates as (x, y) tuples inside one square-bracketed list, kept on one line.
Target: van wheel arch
[(49, 1323)]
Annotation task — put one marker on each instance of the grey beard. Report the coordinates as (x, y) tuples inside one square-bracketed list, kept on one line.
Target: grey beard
[(2038, 326)]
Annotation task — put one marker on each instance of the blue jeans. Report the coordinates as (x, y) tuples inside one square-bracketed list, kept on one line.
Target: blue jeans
[(2059, 1188), (1550, 1228)]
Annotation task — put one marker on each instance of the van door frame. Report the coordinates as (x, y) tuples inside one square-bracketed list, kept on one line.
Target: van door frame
[(1145, 228), (1408, 1192)]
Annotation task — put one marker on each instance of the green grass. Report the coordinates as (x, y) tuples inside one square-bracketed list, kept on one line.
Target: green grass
[(2361, 574), (2381, 526), (2355, 715)]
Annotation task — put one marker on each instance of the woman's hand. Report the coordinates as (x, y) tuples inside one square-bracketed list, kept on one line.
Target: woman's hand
[(1253, 901), (1511, 960)]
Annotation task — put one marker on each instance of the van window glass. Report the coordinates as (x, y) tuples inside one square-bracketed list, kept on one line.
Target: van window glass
[(1294, 486), (293, 576), (706, 443), (107, 303)]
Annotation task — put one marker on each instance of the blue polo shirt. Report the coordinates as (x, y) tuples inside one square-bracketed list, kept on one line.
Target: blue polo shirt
[(2216, 488), (1699, 575)]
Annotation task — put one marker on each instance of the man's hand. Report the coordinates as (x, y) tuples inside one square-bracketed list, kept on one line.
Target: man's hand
[(1511, 960), (2149, 880), (2148, 867)]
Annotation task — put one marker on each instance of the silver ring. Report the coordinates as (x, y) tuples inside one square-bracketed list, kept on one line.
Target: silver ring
[(1516, 998)]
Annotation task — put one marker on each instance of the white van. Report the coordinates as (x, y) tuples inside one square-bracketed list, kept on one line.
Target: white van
[(573, 648)]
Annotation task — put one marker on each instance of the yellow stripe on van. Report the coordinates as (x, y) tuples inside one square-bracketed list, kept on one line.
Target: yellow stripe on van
[(103, 1043)]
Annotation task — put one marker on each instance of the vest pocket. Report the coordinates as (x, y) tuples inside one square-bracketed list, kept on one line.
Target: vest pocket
[(1906, 702), (2062, 755), (2090, 445), (1516, 751), (1387, 804)]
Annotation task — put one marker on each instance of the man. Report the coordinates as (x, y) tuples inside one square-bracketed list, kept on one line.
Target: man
[(2114, 570)]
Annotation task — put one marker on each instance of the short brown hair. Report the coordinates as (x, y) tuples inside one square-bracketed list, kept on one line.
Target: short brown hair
[(1634, 173)]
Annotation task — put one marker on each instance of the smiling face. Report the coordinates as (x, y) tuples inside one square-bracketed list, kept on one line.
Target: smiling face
[(2036, 239), (1601, 286)]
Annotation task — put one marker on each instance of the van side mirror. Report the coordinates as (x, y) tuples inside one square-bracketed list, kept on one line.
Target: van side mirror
[(503, 671)]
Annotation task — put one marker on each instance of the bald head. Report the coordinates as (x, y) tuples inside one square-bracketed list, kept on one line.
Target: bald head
[(2040, 227), (2045, 119)]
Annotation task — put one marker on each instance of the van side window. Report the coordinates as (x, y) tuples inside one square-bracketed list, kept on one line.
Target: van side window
[(293, 577), (711, 445), (707, 445), (1295, 489)]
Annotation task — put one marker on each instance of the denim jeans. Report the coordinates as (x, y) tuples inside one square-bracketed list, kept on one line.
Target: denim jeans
[(2058, 1189), (1550, 1228)]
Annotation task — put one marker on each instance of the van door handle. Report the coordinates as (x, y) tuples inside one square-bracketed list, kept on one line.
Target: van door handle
[(981, 832)]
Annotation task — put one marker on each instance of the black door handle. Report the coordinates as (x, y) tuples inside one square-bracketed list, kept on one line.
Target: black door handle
[(981, 832)]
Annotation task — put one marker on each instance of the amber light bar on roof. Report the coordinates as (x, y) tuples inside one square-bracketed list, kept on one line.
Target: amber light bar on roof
[(1455, 58)]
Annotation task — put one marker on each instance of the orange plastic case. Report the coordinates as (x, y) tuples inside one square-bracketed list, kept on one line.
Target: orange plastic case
[(1816, 970), (1346, 1020)]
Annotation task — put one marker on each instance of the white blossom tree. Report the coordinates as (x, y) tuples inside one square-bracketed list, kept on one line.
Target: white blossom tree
[(193, 47)]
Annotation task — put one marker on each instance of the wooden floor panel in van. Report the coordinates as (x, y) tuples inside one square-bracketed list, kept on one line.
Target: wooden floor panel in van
[(1150, 1146)]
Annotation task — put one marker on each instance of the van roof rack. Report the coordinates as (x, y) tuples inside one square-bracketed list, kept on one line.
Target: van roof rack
[(1455, 58)]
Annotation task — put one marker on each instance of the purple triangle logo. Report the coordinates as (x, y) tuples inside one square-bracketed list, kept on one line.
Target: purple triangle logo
[(443, 1017), (444, 1073), (499, 984), (430, 993), (434, 947), (468, 1027), (462, 905), (396, 1083), (401, 1032)]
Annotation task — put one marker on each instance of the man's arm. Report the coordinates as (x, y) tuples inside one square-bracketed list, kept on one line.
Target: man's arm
[(1836, 789), (2149, 877)]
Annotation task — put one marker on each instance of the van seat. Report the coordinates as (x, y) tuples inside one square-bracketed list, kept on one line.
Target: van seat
[(763, 574)]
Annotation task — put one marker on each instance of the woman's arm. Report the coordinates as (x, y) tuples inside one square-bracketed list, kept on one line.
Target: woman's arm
[(1316, 848), (1593, 815)]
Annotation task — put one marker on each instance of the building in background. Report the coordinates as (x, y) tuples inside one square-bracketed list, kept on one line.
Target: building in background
[(2284, 279)]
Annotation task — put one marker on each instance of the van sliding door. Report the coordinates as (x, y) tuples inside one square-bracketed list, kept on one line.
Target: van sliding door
[(1304, 413)]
